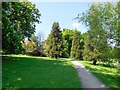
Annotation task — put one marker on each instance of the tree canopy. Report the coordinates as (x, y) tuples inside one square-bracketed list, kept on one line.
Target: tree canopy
[(67, 36), (18, 23), (75, 49), (102, 20)]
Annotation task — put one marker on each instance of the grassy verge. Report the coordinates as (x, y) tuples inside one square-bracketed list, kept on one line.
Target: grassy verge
[(22, 71), (106, 74)]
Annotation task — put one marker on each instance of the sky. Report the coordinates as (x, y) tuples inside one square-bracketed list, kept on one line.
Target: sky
[(62, 12)]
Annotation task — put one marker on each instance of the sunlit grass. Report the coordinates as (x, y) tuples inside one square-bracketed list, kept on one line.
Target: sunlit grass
[(108, 75), (22, 71)]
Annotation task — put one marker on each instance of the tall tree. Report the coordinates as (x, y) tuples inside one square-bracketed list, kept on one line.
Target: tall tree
[(54, 41), (75, 49), (101, 20), (67, 36), (18, 22)]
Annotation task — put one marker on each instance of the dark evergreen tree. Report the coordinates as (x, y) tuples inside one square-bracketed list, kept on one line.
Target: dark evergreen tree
[(75, 49), (54, 42)]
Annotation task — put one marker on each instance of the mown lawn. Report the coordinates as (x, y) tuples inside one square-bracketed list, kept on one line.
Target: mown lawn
[(108, 75), (22, 71)]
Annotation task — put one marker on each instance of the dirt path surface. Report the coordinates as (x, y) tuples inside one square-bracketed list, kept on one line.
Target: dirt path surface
[(87, 79)]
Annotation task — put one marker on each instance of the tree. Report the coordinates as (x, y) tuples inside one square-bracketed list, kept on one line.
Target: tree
[(0, 28), (75, 49), (101, 20), (34, 38), (18, 23), (54, 42), (67, 36), (29, 46), (90, 51), (47, 46), (32, 44)]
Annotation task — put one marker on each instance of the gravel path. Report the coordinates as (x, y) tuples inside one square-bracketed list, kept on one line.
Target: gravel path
[(87, 79)]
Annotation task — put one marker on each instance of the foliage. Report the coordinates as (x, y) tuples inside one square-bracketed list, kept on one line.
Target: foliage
[(67, 36), (101, 18), (66, 43), (18, 23), (0, 16), (118, 36), (33, 46), (75, 49), (34, 38), (54, 42), (29, 46), (42, 49), (95, 48)]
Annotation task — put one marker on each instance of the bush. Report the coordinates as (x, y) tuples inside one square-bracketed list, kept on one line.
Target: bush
[(36, 53)]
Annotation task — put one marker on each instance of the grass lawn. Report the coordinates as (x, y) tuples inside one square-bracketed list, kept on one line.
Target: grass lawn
[(22, 71), (106, 74)]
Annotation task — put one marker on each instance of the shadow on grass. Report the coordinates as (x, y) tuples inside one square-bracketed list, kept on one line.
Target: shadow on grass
[(71, 59), (103, 64), (104, 75), (34, 60), (38, 72)]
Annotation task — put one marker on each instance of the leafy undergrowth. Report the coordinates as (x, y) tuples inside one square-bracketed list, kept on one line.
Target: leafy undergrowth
[(22, 71), (108, 75)]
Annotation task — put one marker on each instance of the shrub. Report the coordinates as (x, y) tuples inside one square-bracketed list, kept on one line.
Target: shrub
[(36, 53)]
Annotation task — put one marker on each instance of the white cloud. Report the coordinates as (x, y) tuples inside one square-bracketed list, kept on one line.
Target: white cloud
[(76, 25)]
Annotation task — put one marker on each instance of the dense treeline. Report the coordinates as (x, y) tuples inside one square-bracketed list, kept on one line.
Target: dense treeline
[(102, 37), (65, 43), (99, 43)]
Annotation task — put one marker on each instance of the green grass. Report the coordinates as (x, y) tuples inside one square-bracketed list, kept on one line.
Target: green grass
[(108, 75), (0, 78), (22, 71)]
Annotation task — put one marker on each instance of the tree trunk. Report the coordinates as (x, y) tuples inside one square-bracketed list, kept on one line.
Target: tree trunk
[(56, 57), (94, 61)]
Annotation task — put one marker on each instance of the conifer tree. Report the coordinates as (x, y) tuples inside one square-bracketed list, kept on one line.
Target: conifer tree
[(54, 42), (67, 35), (75, 49)]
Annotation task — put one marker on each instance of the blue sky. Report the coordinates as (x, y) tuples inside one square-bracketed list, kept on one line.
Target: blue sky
[(62, 12)]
